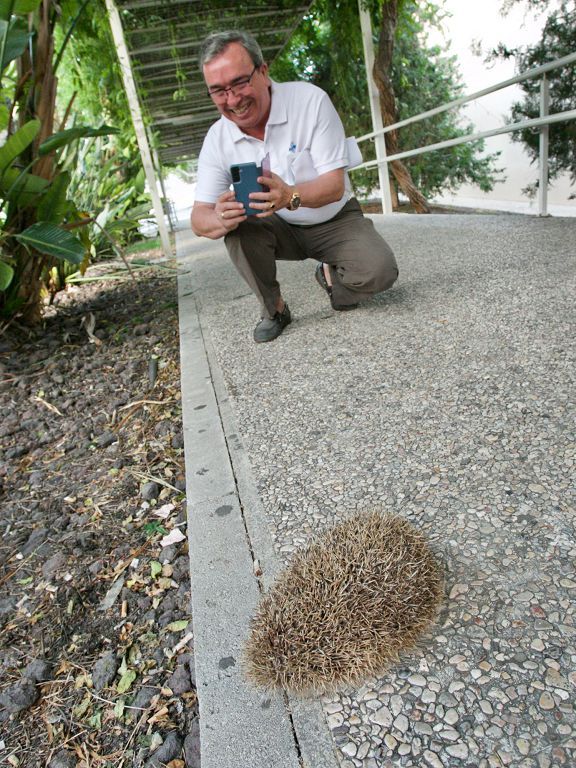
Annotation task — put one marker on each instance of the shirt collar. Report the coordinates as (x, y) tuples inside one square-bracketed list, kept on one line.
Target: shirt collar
[(277, 115)]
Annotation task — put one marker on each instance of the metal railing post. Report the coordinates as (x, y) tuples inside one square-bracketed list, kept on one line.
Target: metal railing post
[(543, 158), (374, 97)]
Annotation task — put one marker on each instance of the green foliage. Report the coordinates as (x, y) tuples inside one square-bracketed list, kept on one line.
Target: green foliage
[(442, 170), (53, 241), (106, 175), (63, 138), (29, 174), (65, 184), (558, 39), (327, 50), (14, 36), (17, 143), (6, 275)]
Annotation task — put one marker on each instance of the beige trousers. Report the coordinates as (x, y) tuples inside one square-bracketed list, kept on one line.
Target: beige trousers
[(361, 262)]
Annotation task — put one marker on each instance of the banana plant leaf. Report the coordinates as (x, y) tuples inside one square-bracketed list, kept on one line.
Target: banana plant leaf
[(17, 143), (7, 7), (54, 206), (4, 115), (62, 138), (6, 275), (21, 188), (53, 241), (14, 36)]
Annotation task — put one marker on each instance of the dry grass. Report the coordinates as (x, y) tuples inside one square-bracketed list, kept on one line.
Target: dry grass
[(346, 607)]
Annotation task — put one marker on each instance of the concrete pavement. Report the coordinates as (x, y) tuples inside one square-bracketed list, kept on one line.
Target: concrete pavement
[(449, 400)]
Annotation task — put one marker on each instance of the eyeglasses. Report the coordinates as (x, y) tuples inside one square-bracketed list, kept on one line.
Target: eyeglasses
[(221, 94)]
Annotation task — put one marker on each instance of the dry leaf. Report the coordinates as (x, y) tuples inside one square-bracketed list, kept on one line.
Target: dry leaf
[(155, 742), (164, 511), (173, 537), (89, 323), (161, 713)]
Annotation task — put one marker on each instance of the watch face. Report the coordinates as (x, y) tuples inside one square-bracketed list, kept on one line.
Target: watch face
[(295, 202)]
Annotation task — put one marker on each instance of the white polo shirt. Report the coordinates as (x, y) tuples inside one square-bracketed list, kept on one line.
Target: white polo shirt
[(304, 137)]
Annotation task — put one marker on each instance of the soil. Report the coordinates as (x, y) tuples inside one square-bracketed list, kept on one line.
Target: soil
[(96, 665)]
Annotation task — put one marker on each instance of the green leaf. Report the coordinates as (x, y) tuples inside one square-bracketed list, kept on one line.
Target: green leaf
[(53, 241), (62, 138), (54, 205), (83, 707), (125, 682), (21, 188), (13, 40), (4, 115), (6, 275), (119, 708), (154, 527), (96, 720), (18, 6), (18, 142), (155, 568), (6, 9), (176, 626)]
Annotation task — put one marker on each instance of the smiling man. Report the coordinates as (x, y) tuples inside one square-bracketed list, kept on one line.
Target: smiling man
[(306, 209)]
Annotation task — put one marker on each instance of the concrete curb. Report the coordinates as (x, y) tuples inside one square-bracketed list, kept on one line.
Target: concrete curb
[(240, 727)]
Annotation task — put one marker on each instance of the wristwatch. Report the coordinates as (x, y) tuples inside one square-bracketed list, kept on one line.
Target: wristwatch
[(294, 201)]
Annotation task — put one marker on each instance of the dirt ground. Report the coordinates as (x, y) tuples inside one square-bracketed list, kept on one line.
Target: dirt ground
[(96, 665)]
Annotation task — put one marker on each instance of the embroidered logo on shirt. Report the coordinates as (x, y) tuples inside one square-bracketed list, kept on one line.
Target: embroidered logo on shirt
[(292, 147)]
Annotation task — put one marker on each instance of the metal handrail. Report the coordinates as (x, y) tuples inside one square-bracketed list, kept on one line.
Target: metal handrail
[(543, 122), (557, 117)]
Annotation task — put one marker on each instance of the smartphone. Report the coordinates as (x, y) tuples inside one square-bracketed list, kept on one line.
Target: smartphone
[(244, 177)]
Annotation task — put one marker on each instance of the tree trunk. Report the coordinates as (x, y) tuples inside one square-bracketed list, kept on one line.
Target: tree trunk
[(394, 194), (44, 88), (381, 70)]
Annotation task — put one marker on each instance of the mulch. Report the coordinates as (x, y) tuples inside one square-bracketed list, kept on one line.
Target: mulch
[(96, 664)]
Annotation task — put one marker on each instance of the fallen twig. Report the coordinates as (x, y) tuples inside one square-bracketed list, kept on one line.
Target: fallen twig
[(48, 405), (159, 480)]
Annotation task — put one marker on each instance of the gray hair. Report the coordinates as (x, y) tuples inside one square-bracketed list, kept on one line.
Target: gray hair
[(217, 42)]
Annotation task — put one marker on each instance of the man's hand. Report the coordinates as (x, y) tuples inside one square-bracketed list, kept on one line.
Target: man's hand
[(278, 196), (228, 212), (215, 221), (324, 189)]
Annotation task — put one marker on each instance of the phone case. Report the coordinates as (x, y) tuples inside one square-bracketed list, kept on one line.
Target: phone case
[(244, 177)]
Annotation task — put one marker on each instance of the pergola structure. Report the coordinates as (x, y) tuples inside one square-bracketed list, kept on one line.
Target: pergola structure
[(163, 39), (158, 43)]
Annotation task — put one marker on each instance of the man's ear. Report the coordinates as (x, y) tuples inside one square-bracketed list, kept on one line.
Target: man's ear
[(264, 70)]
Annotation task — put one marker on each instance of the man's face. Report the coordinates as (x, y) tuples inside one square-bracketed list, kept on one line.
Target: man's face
[(250, 106)]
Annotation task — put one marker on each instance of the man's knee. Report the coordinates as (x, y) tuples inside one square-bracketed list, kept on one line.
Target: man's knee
[(378, 270), (386, 269)]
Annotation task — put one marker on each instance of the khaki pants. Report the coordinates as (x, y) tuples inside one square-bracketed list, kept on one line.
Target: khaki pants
[(361, 261)]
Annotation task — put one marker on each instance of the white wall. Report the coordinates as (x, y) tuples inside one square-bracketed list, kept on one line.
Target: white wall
[(482, 21)]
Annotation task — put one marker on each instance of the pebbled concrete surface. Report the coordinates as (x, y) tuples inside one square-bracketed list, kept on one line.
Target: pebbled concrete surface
[(449, 400)]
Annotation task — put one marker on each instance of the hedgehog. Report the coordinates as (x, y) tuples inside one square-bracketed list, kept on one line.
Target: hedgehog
[(345, 608)]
